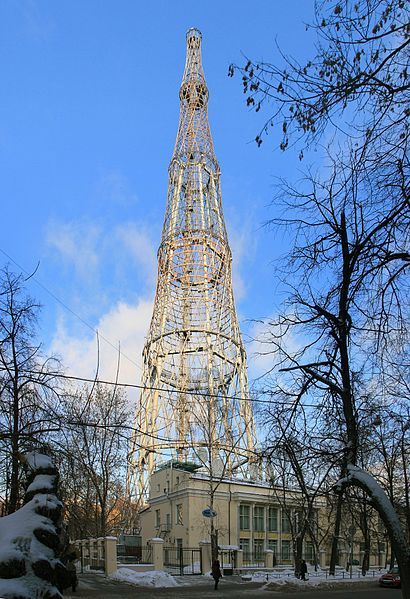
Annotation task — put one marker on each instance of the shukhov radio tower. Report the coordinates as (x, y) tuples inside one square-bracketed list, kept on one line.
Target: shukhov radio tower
[(195, 403)]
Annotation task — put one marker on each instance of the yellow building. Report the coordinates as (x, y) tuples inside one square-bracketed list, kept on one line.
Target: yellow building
[(249, 515), (252, 516)]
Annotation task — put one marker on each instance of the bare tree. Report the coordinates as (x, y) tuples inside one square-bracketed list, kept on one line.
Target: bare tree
[(29, 390), (357, 80), (300, 458), (93, 458), (217, 455), (350, 258)]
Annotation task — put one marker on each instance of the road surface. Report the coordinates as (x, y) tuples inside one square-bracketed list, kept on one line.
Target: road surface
[(93, 586)]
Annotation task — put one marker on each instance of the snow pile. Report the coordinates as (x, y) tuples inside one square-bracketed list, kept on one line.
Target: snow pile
[(154, 578), (29, 538)]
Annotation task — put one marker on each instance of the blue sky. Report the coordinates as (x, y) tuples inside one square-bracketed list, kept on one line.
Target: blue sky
[(89, 115)]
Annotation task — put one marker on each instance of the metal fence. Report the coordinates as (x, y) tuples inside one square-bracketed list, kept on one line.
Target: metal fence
[(138, 555), (253, 560), (182, 560), (92, 557), (227, 561)]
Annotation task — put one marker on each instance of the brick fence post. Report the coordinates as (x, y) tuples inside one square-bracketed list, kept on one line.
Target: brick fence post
[(238, 559), (110, 555), (268, 558), (205, 547), (157, 545)]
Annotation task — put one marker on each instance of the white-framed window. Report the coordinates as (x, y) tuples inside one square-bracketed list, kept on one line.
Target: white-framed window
[(258, 549), (244, 517), (258, 518), (157, 518), (273, 519), (273, 545), (285, 521), (244, 544), (309, 552), (286, 551)]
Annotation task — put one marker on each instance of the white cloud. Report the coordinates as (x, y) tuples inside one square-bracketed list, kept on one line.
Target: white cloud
[(242, 244), (77, 243), (123, 323), (137, 241), (90, 248)]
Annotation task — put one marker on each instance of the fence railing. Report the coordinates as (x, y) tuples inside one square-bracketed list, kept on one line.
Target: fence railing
[(253, 560), (138, 555), (182, 560), (97, 554)]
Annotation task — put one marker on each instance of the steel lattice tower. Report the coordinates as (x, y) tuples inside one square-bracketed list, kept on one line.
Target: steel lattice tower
[(195, 402)]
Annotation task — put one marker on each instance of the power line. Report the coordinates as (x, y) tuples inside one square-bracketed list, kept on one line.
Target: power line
[(161, 389), (142, 387), (57, 299)]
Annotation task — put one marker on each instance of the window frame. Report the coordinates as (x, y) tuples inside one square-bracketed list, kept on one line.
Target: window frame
[(258, 549), (258, 518), (285, 543), (273, 527), (286, 522), (244, 517)]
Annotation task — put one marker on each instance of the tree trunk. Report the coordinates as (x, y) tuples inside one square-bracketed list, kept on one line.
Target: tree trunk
[(366, 536), (15, 442), (336, 534), (298, 545)]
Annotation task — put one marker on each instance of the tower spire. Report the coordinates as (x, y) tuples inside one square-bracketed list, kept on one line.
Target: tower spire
[(193, 133), (194, 404)]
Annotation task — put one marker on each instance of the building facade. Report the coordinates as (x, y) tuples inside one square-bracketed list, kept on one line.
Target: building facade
[(252, 516)]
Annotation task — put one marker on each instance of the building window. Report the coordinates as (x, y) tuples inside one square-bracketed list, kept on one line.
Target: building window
[(157, 518), (273, 519), (244, 545), (258, 518), (244, 517), (273, 545), (179, 513), (285, 521), (309, 552), (286, 551), (168, 521), (258, 550)]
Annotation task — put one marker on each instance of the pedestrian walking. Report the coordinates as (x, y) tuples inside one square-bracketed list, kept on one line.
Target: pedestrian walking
[(216, 572), (303, 570)]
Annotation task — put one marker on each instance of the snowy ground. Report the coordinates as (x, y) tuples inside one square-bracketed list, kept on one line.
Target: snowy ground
[(280, 579)]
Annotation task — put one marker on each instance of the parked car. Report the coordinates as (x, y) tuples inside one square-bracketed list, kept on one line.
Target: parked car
[(391, 579)]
